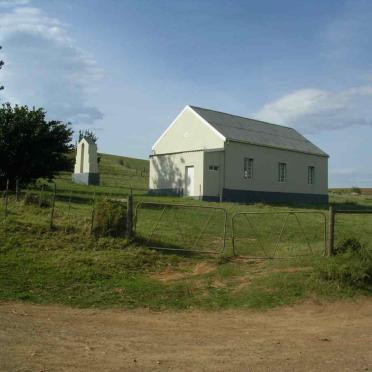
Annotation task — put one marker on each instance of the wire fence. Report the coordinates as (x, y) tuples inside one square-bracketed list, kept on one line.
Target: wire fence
[(279, 234), (181, 226), (185, 227), (346, 224), (46, 209)]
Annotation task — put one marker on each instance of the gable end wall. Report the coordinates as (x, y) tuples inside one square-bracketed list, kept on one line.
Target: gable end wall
[(188, 132)]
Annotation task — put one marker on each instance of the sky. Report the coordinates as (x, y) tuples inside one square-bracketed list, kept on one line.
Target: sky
[(125, 69)]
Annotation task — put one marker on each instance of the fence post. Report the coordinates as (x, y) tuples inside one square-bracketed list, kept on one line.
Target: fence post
[(130, 215), (331, 231), (6, 199), (53, 205), (68, 212), (17, 190), (41, 195), (93, 212)]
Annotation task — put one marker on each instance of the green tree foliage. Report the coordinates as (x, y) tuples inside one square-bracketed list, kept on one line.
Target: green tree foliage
[(30, 146), (88, 134)]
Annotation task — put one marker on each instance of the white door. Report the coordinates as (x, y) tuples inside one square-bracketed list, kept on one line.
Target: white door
[(189, 181)]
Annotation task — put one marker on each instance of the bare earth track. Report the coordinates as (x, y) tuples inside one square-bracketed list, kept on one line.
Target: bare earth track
[(307, 337)]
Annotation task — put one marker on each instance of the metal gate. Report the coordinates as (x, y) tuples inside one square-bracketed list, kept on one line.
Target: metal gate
[(265, 237), (181, 227)]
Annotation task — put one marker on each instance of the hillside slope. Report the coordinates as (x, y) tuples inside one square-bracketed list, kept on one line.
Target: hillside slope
[(119, 174)]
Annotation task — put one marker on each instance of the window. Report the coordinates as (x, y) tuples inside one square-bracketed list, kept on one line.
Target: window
[(248, 168), (213, 168), (282, 174), (310, 175)]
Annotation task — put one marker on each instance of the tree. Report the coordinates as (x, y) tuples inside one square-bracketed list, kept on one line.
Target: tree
[(30, 146), (1, 65), (88, 134)]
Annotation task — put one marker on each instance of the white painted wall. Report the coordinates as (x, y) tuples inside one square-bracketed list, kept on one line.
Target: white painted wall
[(168, 171), (86, 157), (265, 172), (213, 180), (188, 132)]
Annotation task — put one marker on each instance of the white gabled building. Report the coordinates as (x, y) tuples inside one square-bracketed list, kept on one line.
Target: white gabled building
[(212, 155)]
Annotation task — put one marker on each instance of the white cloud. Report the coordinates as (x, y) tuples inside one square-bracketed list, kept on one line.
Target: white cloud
[(44, 66), (11, 3), (315, 110)]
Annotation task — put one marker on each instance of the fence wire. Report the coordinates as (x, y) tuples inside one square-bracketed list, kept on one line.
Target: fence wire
[(353, 224), (181, 227), (279, 234), (186, 227), (44, 209)]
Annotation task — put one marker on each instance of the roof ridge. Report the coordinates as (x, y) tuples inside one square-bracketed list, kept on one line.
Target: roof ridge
[(244, 117)]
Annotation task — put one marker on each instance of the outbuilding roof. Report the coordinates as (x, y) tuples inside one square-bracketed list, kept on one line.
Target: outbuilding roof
[(241, 129)]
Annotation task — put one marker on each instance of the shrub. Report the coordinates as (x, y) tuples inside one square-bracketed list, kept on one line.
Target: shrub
[(351, 265), (110, 218), (349, 244), (356, 190), (32, 199), (121, 162)]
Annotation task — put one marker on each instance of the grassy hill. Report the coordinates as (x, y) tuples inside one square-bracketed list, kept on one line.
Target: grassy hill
[(66, 265), (118, 175)]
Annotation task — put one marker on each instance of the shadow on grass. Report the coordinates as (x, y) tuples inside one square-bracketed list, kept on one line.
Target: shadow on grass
[(351, 206), (168, 248)]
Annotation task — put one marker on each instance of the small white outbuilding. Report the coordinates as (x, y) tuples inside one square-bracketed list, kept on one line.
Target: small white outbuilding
[(86, 164), (212, 155)]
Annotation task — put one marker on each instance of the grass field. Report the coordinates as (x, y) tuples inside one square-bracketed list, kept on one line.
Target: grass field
[(66, 265)]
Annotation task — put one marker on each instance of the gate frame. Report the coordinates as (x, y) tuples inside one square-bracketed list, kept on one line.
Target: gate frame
[(288, 213), (165, 205), (332, 224)]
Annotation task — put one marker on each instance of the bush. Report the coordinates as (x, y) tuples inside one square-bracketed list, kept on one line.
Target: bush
[(349, 244), (110, 218), (121, 162), (32, 199), (351, 265), (356, 190)]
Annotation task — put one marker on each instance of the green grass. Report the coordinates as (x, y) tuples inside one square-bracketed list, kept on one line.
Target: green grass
[(66, 265)]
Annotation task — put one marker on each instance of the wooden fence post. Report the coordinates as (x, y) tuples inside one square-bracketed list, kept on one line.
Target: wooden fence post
[(53, 205), (6, 199), (130, 215), (331, 231), (17, 190), (93, 213), (41, 195), (68, 212)]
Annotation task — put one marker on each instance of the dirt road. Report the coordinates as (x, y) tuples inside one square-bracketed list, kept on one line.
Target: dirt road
[(308, 337)]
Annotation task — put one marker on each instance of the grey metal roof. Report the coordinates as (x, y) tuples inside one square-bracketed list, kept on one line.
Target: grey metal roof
[(238, 128)]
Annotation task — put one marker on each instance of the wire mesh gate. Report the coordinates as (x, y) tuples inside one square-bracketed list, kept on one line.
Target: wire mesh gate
[(270, 234), (350, 223), (181, 227)]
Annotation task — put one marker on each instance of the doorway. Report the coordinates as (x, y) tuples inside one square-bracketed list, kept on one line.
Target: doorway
[(189, 181)]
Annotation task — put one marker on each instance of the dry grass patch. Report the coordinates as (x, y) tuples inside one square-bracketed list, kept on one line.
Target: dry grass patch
[(184, 271)]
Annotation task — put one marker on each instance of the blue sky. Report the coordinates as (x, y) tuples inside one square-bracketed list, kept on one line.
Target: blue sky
[(126, 68)]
